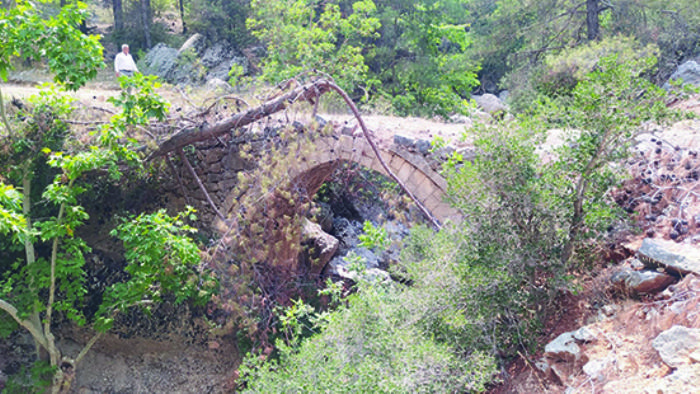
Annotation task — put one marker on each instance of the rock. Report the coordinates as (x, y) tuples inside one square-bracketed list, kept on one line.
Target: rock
[(321, 246), (636, 264), (320, 121), (222, 69), (689, 72), (219, 86), (196, 44), (596, 369), (376, 275), (490, 103), (370, 259), (461, 119), (683, 380), (348, 129), (563, 347), (468, 153), (503, 96), (542, 365), (610, 310), (217, 54), (678, 346), (562, 371), (324, 216), (405, 142), (680, 258), (480, 116), (641, 282), (423, 146), (346, 231), (160, 61), (194, 62), (342, 266), (584, 334)]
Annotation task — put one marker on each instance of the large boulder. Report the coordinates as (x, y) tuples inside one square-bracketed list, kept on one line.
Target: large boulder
[(641, 282), (359, 261), (689, 72), (680, 258), (319, 246), (196, 44), (490, 104), (222, 69), (563, 356), (678, 346), (216, 54), (563, 348), (161, 60), (194, 62), (220, 57)]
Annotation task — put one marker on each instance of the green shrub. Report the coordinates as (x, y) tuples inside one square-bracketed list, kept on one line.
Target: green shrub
[(370, 345), (562, 71)]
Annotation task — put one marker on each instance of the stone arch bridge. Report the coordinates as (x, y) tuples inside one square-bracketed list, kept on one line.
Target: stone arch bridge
[(217, 165)]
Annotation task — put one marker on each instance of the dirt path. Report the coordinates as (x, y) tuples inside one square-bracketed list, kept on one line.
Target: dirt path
[(384, 127)]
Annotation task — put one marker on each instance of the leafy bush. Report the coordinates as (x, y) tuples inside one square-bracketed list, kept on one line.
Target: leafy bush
[(220, 20), (372, 344), (524, 220), (562, 71), (502, 259)]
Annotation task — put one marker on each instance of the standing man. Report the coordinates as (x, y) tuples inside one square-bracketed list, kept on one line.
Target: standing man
[(124, 63)]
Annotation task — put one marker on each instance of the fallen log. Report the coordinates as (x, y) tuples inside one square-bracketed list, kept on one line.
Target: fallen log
[(308, 92)]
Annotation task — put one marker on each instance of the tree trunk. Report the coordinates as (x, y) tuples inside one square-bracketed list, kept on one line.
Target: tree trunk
[(146, 21), (592, 21), (182, 16), (118, 15)]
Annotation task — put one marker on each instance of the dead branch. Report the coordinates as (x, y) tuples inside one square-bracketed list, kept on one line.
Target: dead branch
[(368, 137), (186, 97), (195, 134), (237, 100)]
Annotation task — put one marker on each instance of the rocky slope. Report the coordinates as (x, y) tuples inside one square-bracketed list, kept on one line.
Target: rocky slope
[(635, 325)]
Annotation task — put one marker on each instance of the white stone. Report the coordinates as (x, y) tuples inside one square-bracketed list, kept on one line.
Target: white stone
[(676, 345), (584, 334)]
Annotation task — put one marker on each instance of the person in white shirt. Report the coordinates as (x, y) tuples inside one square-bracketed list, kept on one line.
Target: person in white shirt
[(124, 63)]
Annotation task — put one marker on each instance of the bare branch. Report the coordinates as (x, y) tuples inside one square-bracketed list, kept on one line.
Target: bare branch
[(195, 134), (368, 137)]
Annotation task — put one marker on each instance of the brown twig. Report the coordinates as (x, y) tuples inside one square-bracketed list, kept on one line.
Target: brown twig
[(388, 170), (184, 96)]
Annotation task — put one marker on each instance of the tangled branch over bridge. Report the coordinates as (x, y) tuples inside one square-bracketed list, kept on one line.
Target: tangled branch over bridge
[(423, 185)]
